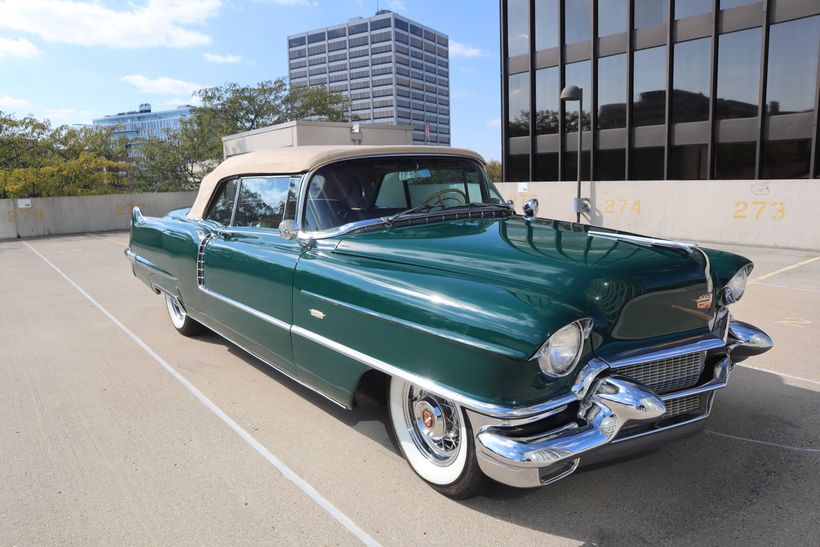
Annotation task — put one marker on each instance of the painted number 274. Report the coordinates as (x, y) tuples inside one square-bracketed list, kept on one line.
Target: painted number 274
[(622, 206), (760, 210)]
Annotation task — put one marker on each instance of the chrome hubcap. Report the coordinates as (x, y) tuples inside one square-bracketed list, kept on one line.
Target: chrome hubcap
[(434, 425), (176, 311)]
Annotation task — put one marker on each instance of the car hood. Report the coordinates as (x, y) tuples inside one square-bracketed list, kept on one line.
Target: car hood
[(632, 291)]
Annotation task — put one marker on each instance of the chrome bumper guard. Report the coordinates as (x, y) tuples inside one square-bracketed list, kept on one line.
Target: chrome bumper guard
[(608, 403)]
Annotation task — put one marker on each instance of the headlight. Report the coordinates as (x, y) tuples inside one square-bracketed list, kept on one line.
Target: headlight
[(561, 351), (737, 285)]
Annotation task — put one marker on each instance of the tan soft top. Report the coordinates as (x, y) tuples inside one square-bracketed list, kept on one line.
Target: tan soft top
[(301, 159)]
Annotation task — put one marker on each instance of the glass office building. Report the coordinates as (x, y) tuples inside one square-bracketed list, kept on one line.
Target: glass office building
[(394, 70), (138, 125), (672, 89)]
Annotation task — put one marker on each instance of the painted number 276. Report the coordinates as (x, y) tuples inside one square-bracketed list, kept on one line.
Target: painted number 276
[(759, 210)]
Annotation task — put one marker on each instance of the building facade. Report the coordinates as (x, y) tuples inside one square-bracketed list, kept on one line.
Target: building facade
[(142, 124), (394, 70), (672, 89)]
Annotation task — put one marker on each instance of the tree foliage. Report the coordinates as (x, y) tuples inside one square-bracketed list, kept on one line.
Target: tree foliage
[(37, 160), (494, 170), (190, 153)]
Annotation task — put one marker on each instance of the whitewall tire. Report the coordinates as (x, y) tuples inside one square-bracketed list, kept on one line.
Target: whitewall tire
[(180, 319)]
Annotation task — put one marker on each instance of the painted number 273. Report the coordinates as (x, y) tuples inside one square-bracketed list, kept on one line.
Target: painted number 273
[(760, 210)]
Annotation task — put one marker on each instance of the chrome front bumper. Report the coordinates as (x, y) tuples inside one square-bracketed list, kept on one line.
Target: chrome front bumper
[(613, 412)]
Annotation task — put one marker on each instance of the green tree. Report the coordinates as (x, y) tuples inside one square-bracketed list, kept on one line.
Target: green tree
[(494, 170), (193, 151)]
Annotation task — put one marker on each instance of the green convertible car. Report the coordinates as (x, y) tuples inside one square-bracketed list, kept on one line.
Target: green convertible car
[(507, 347)]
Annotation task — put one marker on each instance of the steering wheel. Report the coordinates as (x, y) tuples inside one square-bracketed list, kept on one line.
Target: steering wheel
[(440, 197)]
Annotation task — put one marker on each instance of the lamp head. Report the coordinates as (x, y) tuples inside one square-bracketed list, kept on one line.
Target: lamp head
[(571, 93)]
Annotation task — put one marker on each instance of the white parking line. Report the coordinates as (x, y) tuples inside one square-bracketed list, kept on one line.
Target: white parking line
[(785, 269), (286, 471), (755, 441), (779, 374)]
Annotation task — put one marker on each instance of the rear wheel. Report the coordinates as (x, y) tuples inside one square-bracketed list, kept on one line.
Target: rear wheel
[(436, 439), (180, 319)]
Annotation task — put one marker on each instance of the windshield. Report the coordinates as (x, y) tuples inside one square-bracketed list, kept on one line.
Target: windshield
[(368, 188)]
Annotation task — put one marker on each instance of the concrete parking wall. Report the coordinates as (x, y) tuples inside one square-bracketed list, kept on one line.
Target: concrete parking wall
[(772, 213), (77, 214)]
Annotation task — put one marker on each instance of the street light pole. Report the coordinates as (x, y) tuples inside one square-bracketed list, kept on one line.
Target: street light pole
[(575, 93)]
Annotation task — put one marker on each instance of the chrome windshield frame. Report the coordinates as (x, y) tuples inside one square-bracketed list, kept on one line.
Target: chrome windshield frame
[(337, 231)]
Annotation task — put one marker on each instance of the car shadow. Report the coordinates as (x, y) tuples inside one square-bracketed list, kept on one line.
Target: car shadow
[(705, 489)]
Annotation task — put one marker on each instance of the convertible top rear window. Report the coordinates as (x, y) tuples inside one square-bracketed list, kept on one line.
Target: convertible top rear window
[(367, 188)]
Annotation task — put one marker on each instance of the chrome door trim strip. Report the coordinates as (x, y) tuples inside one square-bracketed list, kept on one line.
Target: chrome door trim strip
[(247, 309), (489, 409), (210, 324)]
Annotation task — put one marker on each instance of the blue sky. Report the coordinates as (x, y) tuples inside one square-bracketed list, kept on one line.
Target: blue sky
[(71, 61)]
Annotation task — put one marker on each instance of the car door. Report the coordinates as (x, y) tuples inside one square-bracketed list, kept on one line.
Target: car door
[(247, 268)]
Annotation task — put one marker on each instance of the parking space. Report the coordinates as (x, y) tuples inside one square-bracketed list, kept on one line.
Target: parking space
[(103, 444)]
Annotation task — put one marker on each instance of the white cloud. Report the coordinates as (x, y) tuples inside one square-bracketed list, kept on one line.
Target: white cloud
[(221, 59), (154, 23), (173, 103), (396, 5), (17, 48), (457, 49), (292, 2), (11, 102), (162, 85), (67, 115), (495, 122)]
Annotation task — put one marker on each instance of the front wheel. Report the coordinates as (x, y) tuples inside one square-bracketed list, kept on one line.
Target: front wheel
[(436, 439), (180, 319)]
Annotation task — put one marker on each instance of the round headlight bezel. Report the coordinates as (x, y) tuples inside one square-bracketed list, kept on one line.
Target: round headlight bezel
[(736, 287), (554, 359)]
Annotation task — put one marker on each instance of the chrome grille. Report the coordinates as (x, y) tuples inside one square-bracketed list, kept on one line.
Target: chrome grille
[(667, 375), (682, 405)]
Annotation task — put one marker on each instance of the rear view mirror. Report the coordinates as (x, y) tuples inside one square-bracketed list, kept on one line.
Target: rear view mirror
[(288, 229)]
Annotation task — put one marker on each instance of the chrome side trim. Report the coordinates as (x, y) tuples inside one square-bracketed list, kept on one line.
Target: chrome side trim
[(491, 348), (210, 324), (489, 409), (648, 241), (247, 309), (137, 259)]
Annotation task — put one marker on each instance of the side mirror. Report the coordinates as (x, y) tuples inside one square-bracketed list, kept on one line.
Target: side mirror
[(288, 229), (511, 204), (531, 208)]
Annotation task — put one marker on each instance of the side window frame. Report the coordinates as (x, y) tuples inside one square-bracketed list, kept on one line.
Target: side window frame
[(293, 197), (220, 188)]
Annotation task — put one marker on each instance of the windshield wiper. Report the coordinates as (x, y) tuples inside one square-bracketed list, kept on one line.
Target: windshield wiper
[(423, 208)]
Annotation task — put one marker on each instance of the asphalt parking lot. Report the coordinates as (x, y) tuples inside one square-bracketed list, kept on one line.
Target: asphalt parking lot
[(117, 430)]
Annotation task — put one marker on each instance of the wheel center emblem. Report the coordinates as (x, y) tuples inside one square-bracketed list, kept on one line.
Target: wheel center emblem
[(428, 418)]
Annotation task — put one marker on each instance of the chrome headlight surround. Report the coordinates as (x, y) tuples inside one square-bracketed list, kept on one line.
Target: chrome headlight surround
[(562, 351), (734, 289)]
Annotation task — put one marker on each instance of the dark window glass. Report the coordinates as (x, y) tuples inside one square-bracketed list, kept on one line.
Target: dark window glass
[(646, 164), (417, 30), (649, 13), (735, 160), (738, 74), (222, 207), (612, 91), (611, 165), (689, 8), (263, 202), (379, 23), (546, 24), (726, 4), (786, 159), (518, 168), (690, 98), (579, 74), (358, 28), (519, 109), (613, 17), (318, 37), (792, 73), (296, 42), (337, 33), (401, 24), (546, 167), (688, 162), (649, 99), (518, 27), (546, 100), (578, 21), (571, 165)]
